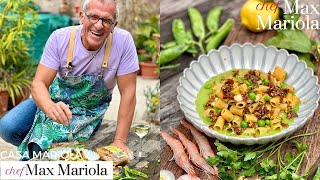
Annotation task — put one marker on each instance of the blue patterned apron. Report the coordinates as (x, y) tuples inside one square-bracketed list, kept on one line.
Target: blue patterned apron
[(87, 98)]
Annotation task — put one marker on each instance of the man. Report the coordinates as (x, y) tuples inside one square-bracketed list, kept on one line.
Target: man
[(74, 81)]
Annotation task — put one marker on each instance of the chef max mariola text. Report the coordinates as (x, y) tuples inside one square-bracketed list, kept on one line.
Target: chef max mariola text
[(56, 170)]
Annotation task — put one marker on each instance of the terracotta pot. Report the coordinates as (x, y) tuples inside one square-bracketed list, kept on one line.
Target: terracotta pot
[(18, 99), (148, 70), (4, 101)]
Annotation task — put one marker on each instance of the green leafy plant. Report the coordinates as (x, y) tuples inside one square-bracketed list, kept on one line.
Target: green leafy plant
[(17, 20), (148, 39), (244, 162), (152, 99)]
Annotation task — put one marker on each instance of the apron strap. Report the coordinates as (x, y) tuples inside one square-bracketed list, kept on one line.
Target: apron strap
[(107, 52), (71, 45)]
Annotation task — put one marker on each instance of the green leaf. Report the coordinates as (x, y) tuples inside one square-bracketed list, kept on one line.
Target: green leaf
[(225, 152), (249, 172), (237, 165), (249, 156), (317, 175), (267, 164), (307, 59), (212, 161), (294, 40)]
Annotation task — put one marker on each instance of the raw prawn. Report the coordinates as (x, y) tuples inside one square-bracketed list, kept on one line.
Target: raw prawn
[(194, 154), (202, 141), (179, 155)]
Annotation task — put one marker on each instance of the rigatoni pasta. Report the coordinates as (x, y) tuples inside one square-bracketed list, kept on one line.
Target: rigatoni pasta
[(249, 102)]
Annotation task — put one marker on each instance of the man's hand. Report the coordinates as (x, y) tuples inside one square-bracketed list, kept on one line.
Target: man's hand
[(124, 147), (59, 112)]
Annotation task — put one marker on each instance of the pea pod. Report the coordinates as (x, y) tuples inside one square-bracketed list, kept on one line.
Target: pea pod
[(169, 44), (197, 24), (128, 178), (117, 177), (192, 48), (178, 31), (213, 19), (135, 172), (222, 32), (167, 55)]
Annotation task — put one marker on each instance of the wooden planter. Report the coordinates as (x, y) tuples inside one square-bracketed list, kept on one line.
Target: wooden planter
[(18, 99), (148, 70), (4, 101)]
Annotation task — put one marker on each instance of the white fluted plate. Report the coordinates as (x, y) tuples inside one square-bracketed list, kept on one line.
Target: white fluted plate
[(248, 56)]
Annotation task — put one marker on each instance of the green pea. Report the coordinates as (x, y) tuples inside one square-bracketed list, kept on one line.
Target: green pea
[(265, 81), (215, 40), (252, 96), (213, 18), (267, 98), (197, 24), (283, 86), (208, 86), (248, 82), (261, 123), (168, 55), (244, 124), (178, 31), (239, 78), (268, 122)]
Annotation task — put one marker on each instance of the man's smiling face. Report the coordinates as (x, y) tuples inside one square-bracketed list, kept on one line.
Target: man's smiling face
[(94, 34)]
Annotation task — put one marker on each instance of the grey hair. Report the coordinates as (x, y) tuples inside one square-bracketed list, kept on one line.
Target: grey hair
[(87, 2)]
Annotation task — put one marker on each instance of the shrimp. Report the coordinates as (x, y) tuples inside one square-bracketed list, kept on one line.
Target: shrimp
[(194, 154), (179, 155), (202, 141)]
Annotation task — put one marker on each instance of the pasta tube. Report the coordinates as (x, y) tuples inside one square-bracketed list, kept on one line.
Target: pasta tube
[(253, 107), (262, 130), (295, 101), (219, 124), (227, 115), (250, 118), (243, 88), (236, 111), (237, 120), (279, 73), (220, 104), (275, 101), (249, 131), (276, 112), (276, 127), (283, 106)]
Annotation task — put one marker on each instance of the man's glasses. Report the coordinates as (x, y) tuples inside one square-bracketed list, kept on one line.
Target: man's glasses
[(106, 22)]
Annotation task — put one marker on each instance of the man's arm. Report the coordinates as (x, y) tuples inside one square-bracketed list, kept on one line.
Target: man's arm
[(59, 112), (127, 89)]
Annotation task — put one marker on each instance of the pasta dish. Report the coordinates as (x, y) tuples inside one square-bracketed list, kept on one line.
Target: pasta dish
[(248, 103)]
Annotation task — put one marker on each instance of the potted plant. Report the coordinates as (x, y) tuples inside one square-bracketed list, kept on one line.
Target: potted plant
[(148, 47), (17, 20), (152, 96)]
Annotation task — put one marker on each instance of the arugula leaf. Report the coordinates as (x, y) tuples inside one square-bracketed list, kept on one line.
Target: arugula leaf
[(249, 156), (292, 39)]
